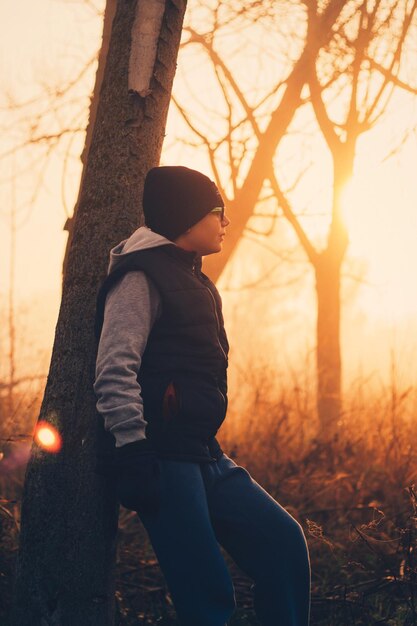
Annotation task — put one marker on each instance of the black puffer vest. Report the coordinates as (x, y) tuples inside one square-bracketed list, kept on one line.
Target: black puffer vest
[(183, 371)]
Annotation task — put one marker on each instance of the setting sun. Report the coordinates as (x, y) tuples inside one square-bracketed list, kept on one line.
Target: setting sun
[(366, 203), (378, 206)]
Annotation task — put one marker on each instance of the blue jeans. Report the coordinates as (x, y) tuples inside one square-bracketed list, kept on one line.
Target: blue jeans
[(204, 505)]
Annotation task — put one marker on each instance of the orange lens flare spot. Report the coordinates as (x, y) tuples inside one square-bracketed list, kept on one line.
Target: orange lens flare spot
[(47, 437)]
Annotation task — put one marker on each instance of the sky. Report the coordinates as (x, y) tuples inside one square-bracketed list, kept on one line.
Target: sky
[(45, 41)]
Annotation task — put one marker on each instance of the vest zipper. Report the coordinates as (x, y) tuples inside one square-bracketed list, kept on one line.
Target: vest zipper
[(218, 322), (215, 313)]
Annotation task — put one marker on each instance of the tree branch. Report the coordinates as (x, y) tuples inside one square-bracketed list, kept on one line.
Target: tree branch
[(388, 73), (211, 151), (324, 121), (290, 216)]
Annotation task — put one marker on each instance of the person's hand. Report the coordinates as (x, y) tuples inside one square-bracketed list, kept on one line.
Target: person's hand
[(137, 477)]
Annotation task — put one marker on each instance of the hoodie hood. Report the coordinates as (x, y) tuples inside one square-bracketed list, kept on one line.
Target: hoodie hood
[(141, 239)]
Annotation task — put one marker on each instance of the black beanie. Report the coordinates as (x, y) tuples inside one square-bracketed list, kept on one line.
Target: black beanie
[(176, 197)]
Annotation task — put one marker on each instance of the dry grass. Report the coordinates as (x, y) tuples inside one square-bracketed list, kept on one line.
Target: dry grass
[(17, 417), (354, 497)]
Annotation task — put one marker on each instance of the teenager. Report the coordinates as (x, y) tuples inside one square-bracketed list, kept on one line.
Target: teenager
[(161, 386)]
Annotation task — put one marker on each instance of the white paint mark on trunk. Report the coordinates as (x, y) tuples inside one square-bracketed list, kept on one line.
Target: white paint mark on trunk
[(145, 35)]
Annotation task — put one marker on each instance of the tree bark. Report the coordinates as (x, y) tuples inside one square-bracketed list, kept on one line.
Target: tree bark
[(65, 565)]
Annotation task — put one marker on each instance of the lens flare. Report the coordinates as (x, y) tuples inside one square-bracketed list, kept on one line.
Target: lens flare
[(47, 437)]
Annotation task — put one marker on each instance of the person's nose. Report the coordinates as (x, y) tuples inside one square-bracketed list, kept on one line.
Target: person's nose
[(226, 220)]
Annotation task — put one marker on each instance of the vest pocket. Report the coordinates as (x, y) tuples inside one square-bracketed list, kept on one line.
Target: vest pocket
[(197, 408)]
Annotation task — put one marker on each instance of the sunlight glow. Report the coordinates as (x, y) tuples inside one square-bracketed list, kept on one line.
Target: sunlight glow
[(47, 437), (359, 203), (378, 207)]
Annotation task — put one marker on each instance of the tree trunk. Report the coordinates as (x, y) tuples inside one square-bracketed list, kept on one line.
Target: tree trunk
[(329, 370), (327, 267), (65, 565)]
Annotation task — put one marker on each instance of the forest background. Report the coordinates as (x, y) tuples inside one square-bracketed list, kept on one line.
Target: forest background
[(267, 286)]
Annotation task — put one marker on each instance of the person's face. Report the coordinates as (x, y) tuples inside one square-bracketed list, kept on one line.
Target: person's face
[(205, 237)]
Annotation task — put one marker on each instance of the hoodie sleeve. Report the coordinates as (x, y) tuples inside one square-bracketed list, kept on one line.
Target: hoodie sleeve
[(132, 307)]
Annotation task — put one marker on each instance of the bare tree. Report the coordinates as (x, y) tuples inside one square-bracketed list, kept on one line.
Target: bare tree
[(69, 520), (350, 62)]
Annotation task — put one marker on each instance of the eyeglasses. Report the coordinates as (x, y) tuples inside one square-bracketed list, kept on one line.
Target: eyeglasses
[(219, 209)]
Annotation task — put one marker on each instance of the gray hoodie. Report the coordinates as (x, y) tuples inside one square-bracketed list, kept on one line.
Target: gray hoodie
[(132, 307)]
